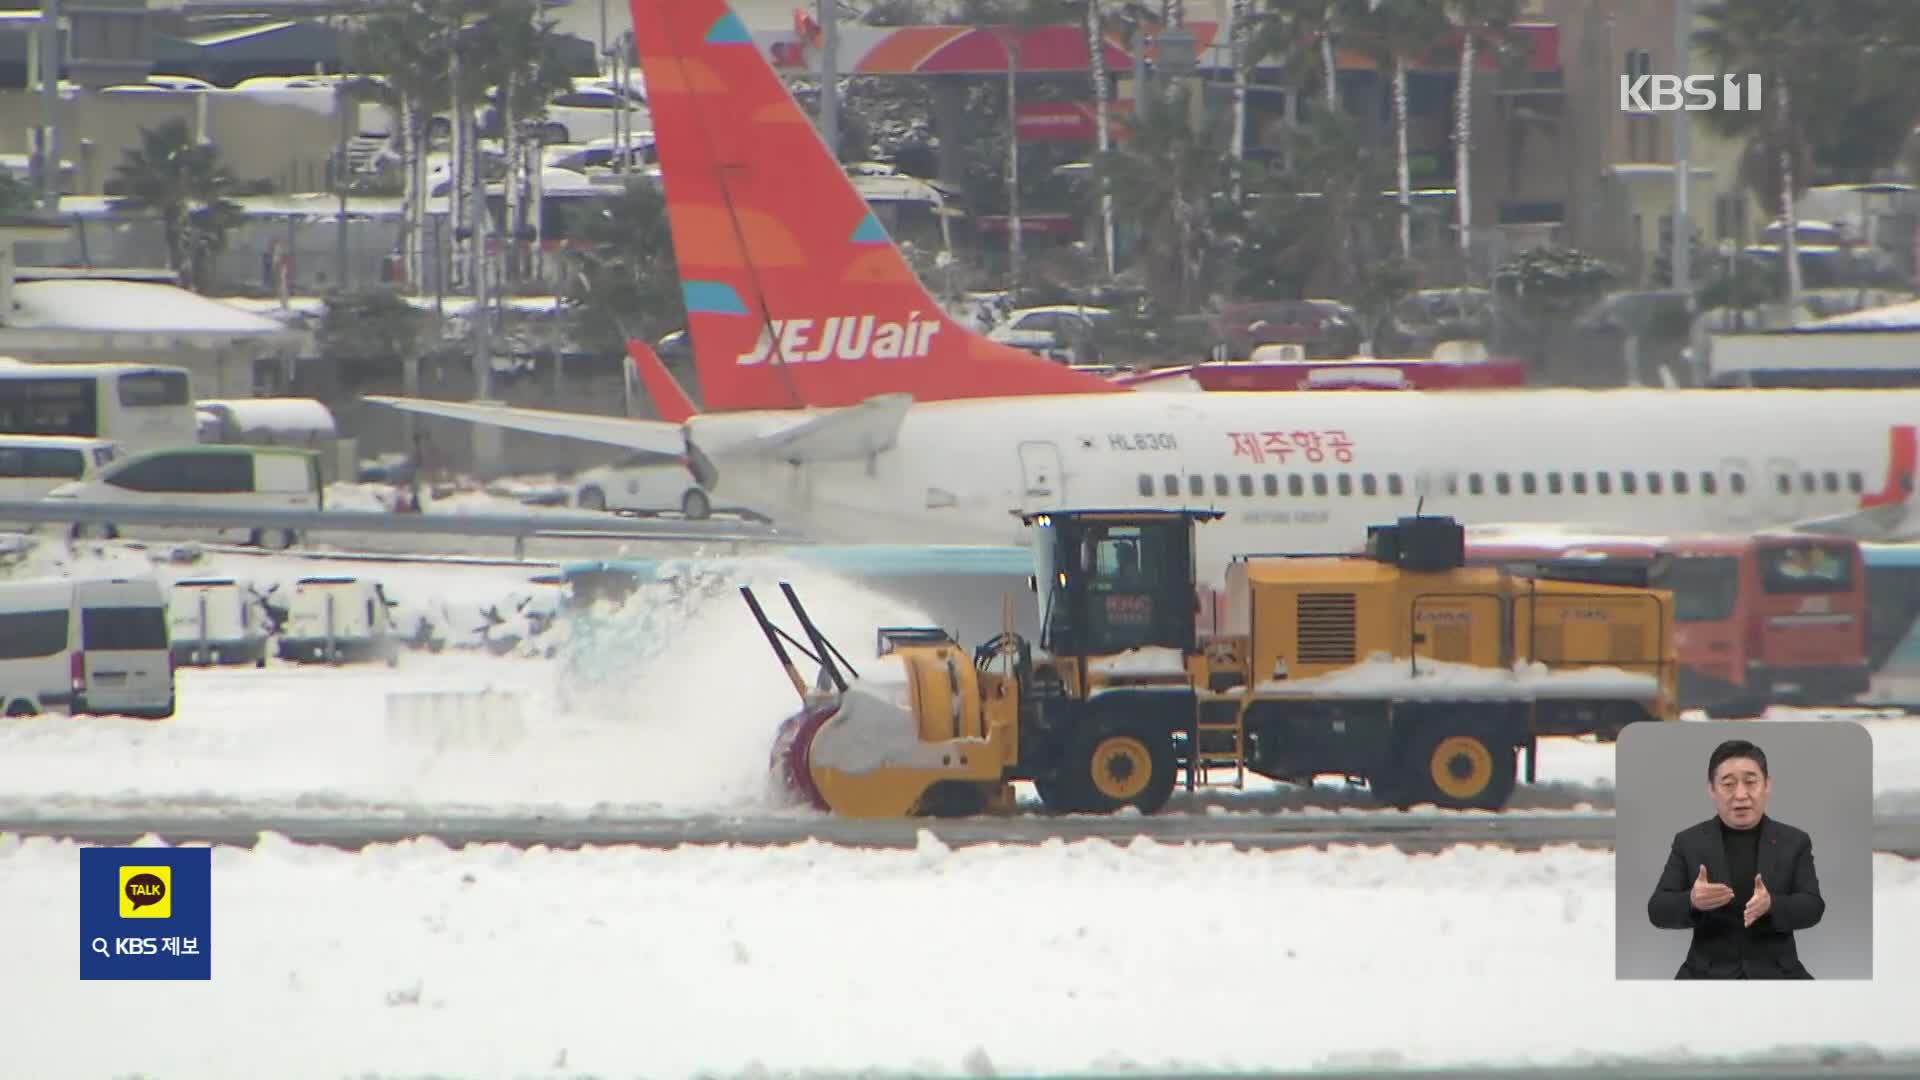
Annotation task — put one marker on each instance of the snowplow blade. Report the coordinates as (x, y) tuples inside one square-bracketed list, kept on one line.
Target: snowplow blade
[(916, 738), (862, 754)]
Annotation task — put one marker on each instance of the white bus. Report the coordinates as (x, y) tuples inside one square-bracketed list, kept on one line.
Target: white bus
[(137, 406)]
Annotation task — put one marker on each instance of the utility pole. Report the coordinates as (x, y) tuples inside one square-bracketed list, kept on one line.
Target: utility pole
[(830, 75), (50, 95), (1013, 158), (344, 103), (1682, 258)]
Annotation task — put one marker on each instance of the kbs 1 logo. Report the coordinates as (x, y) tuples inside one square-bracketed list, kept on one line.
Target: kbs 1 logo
[(1695, 93), (844, 337)]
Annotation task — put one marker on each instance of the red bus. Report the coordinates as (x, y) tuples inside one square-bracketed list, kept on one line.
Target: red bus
[(1772, 618)]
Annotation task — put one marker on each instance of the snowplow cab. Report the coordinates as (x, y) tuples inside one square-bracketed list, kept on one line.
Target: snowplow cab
[(1117, 593)]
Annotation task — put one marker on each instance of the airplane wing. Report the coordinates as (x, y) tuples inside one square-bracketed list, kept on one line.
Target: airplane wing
[(853, 432), (658, 436), (1882, 522), (849, 433)]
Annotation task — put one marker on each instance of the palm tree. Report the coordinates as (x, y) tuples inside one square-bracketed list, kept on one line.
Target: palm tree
[(1789, 44), (1167, 176), (1319, 226), (522, 59), (1102, 135), (1296, 29), (183, 182), (1478, 20), (405, 46), (1398, 31)]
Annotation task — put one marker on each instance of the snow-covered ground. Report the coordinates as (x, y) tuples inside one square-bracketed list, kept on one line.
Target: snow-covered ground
[(667, 706), (414, 959)]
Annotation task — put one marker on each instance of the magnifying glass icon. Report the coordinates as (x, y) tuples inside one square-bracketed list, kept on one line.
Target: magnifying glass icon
[(100, 946)]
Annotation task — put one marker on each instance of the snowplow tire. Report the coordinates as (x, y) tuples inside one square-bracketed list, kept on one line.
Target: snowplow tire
[(1119, 763), (1460, 768)]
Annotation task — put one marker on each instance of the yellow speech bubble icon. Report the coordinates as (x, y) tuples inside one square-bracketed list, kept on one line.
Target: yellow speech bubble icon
[(146, 892)]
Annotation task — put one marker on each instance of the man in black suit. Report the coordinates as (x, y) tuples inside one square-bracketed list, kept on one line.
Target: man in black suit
[(1741, 881)]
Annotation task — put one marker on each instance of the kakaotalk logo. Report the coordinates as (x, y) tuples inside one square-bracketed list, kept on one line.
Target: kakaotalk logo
[(1695, 93)]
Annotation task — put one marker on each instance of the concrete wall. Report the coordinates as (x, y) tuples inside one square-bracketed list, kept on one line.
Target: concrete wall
[(286, 144)]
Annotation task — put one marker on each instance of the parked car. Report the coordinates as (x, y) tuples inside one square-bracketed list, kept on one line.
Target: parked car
[(646, 483), (32, 465), (1324, 329), (338, 619), (1065, 332), (216, 621), (85, 646), (267, 477)]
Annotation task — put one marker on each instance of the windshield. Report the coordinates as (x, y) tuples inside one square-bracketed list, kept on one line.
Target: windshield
[(1705, 588), (1806, 568)]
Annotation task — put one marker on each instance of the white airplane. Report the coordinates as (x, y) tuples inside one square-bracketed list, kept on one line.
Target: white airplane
[(857, 411)]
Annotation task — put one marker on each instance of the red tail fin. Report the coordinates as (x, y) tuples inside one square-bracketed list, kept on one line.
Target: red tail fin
[(669, 400), (795, 294)]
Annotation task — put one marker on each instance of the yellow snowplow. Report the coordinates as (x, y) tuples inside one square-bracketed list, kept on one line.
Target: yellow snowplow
[(1401, 666)]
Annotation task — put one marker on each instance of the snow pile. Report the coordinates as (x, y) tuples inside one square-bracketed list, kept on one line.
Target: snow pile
[(681, 720), (1381, 675), (875, 727), (418, 960)]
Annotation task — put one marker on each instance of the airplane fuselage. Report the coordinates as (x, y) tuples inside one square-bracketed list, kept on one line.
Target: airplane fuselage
[(1310, 471)]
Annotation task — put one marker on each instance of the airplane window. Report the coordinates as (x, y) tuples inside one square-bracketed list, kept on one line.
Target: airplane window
[(1853, 482), (1146, 484), (1679, 482), (1553, 483), (1294, 486), (1627, 483), (1393, 484), (1501, 484), (1526, 483), (1453, 483), (1737, 483), (1366, 484), (1709, 483), (1653, 483), (1806, 481), (1346, 483), (1196, 484), (1170, 484), (1473, 484), (1785, 484), (1246, 484), (1271, 483), (1603, 482), (1319, 483), (1579, 483), (1830, 481), (1219, 483)]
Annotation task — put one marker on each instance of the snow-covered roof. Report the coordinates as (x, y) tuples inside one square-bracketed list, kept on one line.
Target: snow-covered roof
[(1893, 317), (130, 307), (272, 416)]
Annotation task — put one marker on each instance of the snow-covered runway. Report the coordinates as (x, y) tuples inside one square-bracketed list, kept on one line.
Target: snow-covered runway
[(412, 959)]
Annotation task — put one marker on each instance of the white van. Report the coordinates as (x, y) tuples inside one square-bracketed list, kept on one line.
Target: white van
[(224, 477), (335, 619), (32, 465), (215, 621), (85, 646)]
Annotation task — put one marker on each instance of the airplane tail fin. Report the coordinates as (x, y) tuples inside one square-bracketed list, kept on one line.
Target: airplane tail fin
[(669, 399), (795, 294)]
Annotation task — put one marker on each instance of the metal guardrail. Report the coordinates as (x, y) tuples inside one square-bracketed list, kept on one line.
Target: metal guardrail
[(520, 527)]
